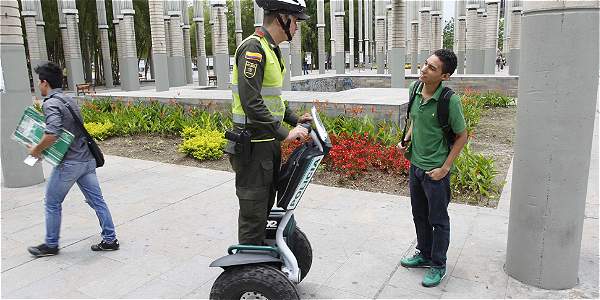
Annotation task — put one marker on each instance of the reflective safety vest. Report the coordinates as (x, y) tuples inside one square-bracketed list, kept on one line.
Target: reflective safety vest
[(271, 85)]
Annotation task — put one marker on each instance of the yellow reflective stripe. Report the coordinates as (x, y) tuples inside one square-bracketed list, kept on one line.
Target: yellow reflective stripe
[(264, 140), (241, 119), (265, 91)]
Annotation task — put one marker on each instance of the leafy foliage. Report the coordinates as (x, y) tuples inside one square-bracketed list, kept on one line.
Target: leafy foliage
[(474, 174), (202, 143), (99, 131)]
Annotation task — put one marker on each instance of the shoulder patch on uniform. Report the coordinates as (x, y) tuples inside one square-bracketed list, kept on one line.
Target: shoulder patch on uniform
[(250, 69), (253, 56)]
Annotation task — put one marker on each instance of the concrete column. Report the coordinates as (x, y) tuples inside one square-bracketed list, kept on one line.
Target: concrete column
[(169, 47), (380, 36), (414, 36), (177, 65), (332, 34), (472, 49), (29, 12), (131, 80), (398, 43), (220, 42), (461, 44), (555, 125), (491, 39), (39, 18), (296, 49), (76, 64), (62, 25), (424, 32), (187, 43), (340, 54), (258, 15), (104, 43), (116, 7), (481, 33), (321, 35), (237, 11), (507, 21), (388, 37), (367, 37), (159, 46), (436, 25), (361, 57), (285, 55), (515, 40), (16, 95), (351, 33), (200, 43)]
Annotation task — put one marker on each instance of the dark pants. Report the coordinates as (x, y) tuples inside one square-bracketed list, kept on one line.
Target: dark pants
[(255, 188), (429, 200)]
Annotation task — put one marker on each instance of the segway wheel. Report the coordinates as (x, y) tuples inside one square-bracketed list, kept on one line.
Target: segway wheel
[(253, 282), (302, 250)]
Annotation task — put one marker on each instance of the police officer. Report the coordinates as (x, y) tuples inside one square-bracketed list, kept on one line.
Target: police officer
[(259, 109)]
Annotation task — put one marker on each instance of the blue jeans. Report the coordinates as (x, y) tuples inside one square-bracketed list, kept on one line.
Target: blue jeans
[(60, 182), (429, 200)]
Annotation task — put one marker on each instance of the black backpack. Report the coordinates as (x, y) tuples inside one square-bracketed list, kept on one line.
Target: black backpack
[(443, 112)]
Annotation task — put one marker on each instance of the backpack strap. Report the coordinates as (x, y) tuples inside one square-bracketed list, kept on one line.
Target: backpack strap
[(411, 99), (443, 114)]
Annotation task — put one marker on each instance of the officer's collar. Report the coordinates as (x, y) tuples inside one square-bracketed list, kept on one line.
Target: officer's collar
[(262, 32)]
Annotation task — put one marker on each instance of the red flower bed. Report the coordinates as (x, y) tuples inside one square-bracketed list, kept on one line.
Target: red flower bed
[(358, 154)]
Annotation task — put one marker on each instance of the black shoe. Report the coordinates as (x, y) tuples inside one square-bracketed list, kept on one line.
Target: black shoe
[(105, 246), (43, 250)]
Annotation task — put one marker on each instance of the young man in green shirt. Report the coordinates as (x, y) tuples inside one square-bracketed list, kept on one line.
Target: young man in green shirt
[(431, 159)]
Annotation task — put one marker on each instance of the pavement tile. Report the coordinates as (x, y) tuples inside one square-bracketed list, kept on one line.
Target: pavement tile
[(158, 288), (458, 288), (312, 290)]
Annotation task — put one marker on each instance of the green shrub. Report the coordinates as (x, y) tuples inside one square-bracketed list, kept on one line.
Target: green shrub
[(493, 99), (474, 173), (471, 112), (99, 131), (202, 143)]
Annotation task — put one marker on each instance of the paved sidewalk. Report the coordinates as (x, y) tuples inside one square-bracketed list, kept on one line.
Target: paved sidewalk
[(172, 221)]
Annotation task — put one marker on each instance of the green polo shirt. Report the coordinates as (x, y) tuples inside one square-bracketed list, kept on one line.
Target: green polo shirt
[(429, 148)]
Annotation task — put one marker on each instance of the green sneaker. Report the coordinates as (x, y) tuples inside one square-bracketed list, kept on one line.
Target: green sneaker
[(416, 261), (434, 276)]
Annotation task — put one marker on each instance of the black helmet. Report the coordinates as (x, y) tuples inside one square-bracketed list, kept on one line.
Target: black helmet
[(290, 7)]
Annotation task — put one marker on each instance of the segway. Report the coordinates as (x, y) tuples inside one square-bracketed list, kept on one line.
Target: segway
[(271, 271)]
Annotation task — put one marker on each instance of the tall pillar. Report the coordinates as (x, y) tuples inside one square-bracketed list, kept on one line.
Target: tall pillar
[(296, 49), (461, 32), (481, 32), (472, 48), (62, 25), (388, 37), (351, 33), (159, 45), (515, 39), (367, 37), (491, 38), (177, 65), (285, 55), (551, 163), (361, 57), (398, 43), (332, 34), (237, 11), (16, 95), (168, 44), (122, 71), (436, 25), (321, 35), (187, 43), (340, 54), (76, 64), (414, 36), (39, 18), (258, 15), (200, 43), (29, 13), (104, 43), (220, 42), (507, 21), (380, 36), (424, 32), (131, 81)]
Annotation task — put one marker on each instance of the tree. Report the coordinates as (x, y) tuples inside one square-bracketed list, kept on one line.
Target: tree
[(449, 34), (501, 35)]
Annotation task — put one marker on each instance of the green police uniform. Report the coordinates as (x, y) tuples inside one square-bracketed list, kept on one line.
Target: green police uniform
[(258, 106)]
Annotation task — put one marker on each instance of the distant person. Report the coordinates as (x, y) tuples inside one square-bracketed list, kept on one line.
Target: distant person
[(498, 62), (431, 152), (78, 165)]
